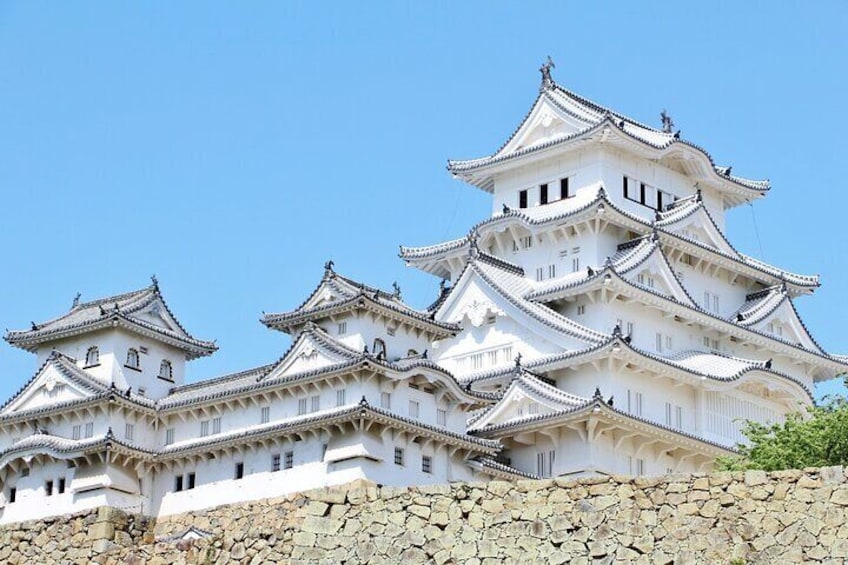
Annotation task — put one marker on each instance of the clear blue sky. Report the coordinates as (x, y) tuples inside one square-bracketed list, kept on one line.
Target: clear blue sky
[(232, 148)]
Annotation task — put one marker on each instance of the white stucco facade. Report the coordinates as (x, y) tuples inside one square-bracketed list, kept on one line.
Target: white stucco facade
[(598, 322)]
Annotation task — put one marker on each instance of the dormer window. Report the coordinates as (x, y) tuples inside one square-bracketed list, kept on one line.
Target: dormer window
[(166, 371), (132, 359), (92, 356), (379, 348)]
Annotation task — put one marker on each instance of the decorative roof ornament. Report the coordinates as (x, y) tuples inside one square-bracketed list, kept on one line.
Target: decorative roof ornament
[(597, 395), (34, 326), (473, 250), (545, 69), (328, 268), (76, 300), (667, 122), (102, 310), (518, 360), (505, 209), (155, 281), (396, 288), (443, 286), (698, 196)]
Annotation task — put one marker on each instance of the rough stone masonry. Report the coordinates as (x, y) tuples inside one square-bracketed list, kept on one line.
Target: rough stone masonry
[(751, 517)]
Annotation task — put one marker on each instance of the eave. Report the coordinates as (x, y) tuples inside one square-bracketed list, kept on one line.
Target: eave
[(30, 341), (292, 322)]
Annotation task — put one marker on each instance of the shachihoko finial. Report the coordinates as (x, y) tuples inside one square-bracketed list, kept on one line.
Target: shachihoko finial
[(328, 266), (396, 288), (667, 123), (545, 69), (77, 300), (154, 281)]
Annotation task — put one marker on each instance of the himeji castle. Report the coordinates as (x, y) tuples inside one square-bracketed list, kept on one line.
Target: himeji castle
[(598, 322)]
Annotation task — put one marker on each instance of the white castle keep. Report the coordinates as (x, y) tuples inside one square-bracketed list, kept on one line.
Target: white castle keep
[(598, 322)]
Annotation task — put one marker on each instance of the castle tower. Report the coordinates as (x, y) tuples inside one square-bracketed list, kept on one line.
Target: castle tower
[(604, 304)]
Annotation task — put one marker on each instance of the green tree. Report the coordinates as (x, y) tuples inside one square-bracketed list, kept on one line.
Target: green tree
[(820, 439)]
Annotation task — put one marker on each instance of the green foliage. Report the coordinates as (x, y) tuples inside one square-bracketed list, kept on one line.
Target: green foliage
[(818, 439)]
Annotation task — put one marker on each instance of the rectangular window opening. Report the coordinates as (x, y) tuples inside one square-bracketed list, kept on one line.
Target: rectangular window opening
[(543, 194), (239, 471), (399, 456), (563, 189), (522, 199)]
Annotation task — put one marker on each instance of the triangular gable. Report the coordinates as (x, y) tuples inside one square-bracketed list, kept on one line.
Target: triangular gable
[(472, 299), (651, 270), (784, 323), (51, 385), (523, 399), (545, 121), (157, 314), (698, 225), (326, 294), (311, 351)]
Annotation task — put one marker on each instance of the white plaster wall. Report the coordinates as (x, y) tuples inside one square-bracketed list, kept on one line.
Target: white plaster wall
[(114, 345)]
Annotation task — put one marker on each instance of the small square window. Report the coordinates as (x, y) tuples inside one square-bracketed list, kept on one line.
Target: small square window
[(288, 461), (427, 464), (61, 487), (386, 400), (77, 431), (441, 417), (178, 483), (169, 436), (216, 425), (275, 462), (341, 395), (25, 472), (265, 415), (12, 494), (398, 456), (48, 488), (342, 328), (89, 430), (129, 431), (239, 470), (191, 480), (413, 409)]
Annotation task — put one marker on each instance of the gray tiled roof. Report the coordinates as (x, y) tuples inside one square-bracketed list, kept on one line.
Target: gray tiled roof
[(68, 368), (593, 118), (104, 312), (596, 407), (576, 208), (361, 410), (352, 295), (707, 364)]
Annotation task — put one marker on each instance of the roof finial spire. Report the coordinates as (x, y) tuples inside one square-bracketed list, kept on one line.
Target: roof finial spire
[(545, 69), (396, 288), (155, 281), (667, 123), (76, 300), (328, 269)]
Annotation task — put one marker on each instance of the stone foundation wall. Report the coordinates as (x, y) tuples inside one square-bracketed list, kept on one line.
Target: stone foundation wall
[(752, 517)]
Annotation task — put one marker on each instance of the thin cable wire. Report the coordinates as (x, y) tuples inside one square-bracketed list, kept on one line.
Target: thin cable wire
[(757, 231)]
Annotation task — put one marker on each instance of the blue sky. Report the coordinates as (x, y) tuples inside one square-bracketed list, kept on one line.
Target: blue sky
[(232, 148)]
